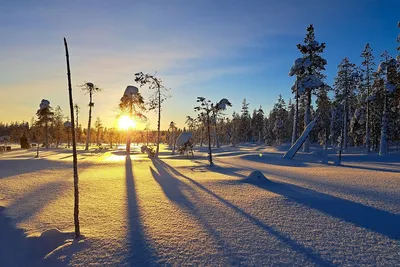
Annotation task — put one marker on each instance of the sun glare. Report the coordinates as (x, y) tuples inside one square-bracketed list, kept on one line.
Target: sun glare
[(126, 123)]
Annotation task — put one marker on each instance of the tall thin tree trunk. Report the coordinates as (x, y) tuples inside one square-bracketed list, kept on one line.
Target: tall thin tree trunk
[(46, 134), (89, 122), (307, 117), (74, 154), (159, 121)]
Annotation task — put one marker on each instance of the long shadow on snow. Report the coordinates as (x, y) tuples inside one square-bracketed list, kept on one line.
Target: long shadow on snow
[(173, 189), (307, 252), (141, 254), (16, 249), (376, 220), (275, 159), (22, 166), (347, 189)]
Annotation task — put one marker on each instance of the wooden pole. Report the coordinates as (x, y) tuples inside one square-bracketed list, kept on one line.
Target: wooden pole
[(74, 154)]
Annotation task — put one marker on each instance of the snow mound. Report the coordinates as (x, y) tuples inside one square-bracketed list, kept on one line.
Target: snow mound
[(131, 90), (183, 138), (257, 177)]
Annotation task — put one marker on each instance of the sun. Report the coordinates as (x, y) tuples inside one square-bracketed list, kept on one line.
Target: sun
[(126, 123)]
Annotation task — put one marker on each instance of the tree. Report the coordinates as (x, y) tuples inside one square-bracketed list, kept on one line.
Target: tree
[(280, 115), (74, 154), (324, 113), (206, 109), (367, 75), (45, 116), (67, 127), (388, 70), (156, 99), (131, 103), (307, 70), (99, 126), (344, 87), (173, 129), (58, 126), (89, 88)]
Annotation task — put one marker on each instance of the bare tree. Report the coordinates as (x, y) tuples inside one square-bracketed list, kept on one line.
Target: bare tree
[(74, 154)]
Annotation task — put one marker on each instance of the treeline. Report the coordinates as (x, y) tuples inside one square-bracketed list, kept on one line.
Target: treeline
[(361, 108)]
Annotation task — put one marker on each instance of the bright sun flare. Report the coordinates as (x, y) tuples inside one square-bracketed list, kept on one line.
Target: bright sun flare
[(126, 123)]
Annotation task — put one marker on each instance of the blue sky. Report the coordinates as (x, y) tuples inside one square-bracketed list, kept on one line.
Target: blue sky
[(211, 48)]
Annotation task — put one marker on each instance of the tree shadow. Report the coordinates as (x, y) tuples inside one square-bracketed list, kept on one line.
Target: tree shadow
[(141, 253), (174, 189), (51, 248), (307, 252), (274, 159), (21, 166), (373, 219)]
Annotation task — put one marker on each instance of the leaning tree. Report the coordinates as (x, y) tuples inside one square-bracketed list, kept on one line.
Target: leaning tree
[(89, 88), (156, 99)]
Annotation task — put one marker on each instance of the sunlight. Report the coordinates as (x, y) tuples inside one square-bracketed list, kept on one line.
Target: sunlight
[(126, 123)]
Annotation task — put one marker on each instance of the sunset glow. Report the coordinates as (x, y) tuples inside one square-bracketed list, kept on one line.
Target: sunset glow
[(126, 123)]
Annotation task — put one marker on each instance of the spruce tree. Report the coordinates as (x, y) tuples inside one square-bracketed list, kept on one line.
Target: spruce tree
[(344, 87), (367, 71)]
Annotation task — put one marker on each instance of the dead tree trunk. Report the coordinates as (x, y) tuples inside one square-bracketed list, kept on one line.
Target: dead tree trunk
[(74, 154)]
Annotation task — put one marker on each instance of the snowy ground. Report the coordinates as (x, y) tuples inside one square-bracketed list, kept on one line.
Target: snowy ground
[(135, 211)]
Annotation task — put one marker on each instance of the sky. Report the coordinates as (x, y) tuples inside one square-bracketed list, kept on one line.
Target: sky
[(211, 48)]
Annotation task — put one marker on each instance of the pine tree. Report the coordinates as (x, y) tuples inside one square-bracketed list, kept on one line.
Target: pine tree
[(324, 113), (45, 116), (388, 70), (58, 124), (89, 88), (281, 116), (308, 72), (344, 87), (367, 71)]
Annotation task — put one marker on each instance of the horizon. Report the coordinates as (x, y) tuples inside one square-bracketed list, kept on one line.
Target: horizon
[(205, 49)]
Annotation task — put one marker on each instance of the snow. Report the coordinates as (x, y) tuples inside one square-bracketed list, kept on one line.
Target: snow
[(173, 211), (381, 66), (299, 142), (256, 177), (183, 138), (131, 90), (311, 81), (44, 104)]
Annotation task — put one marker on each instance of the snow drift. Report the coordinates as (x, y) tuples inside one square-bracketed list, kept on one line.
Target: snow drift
[(256, 177)]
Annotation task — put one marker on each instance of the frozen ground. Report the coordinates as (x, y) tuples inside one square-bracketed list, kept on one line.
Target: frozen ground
[(174, 211)]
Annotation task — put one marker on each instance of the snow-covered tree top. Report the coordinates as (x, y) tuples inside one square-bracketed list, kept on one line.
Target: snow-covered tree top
[(44, 104), (299, 65), (221, 105), (131, 90)]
